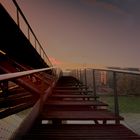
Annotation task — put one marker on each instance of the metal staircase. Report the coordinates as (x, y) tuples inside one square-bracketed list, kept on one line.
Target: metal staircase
[(63, 109), (25, 83)]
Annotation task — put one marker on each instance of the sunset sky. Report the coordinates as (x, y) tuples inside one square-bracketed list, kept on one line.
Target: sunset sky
[(83, 32)]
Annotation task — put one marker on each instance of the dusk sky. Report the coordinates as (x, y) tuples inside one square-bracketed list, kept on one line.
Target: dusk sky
[(98, 32)]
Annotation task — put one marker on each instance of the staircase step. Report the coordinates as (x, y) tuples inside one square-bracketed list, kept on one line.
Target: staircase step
[(79, 115), (69, 87), (74, 103), (84, 97), (71, 91), (81, 132)]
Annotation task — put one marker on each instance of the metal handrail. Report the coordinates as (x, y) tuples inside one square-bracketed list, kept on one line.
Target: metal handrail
[(30, 29), (120, 71), (10, 76), (114, 71)]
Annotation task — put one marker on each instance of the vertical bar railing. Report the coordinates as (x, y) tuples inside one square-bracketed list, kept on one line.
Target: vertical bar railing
[(85, 77), (41, 50), (18, 23), (116, 103), (94, 83), (74, 73), (28, 34), (35, 43), (80, 76), (115, 86), (77, 73), (77, 76)]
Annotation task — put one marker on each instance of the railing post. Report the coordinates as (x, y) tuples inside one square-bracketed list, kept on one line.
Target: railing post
[(4, 88), (86, 78), (77, 74), (94, 83), (35, 43), (80, 76), (18, 23), (40, 52), (43, 54), (28, 34), (54, 72), (116, 104)]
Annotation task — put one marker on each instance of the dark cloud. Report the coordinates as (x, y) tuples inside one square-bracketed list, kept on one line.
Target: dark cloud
[(115, 6)]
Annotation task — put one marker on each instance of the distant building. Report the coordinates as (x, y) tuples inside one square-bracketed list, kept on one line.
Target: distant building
[(98, 78), (118, 68), (110, 79), (103, 77), (132, 69)]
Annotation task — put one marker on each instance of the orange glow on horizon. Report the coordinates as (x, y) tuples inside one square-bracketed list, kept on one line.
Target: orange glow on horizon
[(54, 61)]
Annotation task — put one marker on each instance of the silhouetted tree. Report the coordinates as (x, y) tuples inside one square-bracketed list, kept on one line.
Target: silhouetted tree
[(128, 84)]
